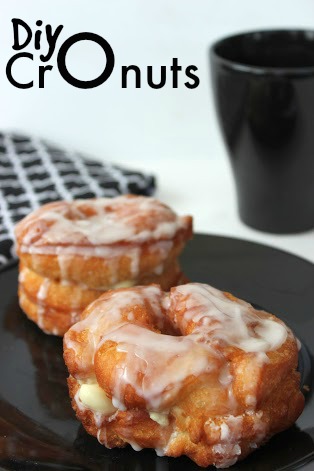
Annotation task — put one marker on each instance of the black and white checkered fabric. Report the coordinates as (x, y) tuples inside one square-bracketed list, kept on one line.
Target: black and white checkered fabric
[(33, 172)]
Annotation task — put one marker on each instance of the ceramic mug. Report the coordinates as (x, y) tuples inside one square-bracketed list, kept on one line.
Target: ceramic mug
[(263, 85)]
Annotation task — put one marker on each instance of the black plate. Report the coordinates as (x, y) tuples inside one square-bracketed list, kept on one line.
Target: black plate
[(38, 429)]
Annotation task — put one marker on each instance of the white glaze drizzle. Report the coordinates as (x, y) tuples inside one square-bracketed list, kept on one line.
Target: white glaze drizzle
[(22, 275), (225, 321), (41, 297), (122, 219)]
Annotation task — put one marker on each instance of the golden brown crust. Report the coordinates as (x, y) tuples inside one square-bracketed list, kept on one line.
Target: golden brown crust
[(98, 272), (50, 320), (64, 241), (63, 297)]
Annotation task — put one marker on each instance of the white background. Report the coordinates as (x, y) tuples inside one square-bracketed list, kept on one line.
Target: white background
[(171, 132)]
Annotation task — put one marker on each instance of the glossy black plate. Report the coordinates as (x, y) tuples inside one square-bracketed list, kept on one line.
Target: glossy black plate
[(38, 429)]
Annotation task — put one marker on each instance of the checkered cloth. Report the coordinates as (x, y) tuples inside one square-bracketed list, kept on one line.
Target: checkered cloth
[(33, 172)]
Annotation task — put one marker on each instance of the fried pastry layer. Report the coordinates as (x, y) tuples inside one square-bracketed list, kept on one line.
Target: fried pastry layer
[(58, 295), (195, 371), (50, 320), (56, 306), (102, 241)]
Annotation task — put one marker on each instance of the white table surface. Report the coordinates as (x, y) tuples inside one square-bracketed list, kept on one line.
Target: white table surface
[(204, 188)]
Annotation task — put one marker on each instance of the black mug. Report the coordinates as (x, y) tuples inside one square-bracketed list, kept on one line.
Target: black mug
[(263, 86)]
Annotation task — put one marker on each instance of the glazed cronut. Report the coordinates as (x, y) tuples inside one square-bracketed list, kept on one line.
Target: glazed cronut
[(72, 252), (193, 372)]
